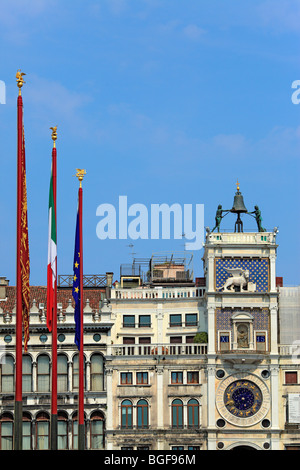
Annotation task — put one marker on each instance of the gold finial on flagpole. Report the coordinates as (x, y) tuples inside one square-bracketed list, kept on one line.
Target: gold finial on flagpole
[(54, 134), (20, 80), (237, 185), (80, 175)]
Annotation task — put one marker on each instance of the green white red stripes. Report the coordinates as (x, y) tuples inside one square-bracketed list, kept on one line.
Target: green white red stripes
[(52, 255)]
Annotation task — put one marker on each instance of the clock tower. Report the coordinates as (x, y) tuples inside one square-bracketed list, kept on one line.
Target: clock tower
[(242, 318)]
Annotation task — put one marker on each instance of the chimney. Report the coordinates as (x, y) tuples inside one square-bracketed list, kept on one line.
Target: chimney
[(109, 279), (3, 283)]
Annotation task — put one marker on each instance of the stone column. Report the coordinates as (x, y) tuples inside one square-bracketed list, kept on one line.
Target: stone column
[(273, 329), (160, 396), (109, 415), (211, 329), (273, 272), (211, 407), (274, 396)]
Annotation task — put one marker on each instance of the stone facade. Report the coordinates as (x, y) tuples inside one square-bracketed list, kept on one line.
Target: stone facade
[(211, 365)]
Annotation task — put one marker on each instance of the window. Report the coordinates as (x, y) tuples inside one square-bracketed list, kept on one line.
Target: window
[(42, 431), (97, 373), (291, 378), (6, 428), (126, 378), (177, 447), (175, 339), (142, 414), (193, 377), (193, 413), (43, 373), (191, 319), (144, 321), (76, 372), (142, 378), (175, 320), (26, 374), (128, 321), (62, 431), (97, 431), (193, 447), (75, 431), (189, 339), (126, 414), (260, 342), (224, 342), (176, 377), (26, 432), (62, 373), (128, 340), (7, 375), (177, 414)]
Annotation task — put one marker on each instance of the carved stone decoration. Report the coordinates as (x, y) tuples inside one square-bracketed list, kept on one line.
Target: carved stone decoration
[(239, 277)]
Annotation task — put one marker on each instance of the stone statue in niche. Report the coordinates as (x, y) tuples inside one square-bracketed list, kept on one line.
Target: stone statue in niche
[(242, 336)]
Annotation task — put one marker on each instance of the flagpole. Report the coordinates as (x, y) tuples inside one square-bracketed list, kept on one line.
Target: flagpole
[(81, 432), (53, 423), (19, 320)]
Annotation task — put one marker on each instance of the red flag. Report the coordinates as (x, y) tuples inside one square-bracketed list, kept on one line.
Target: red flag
[(24, 250)]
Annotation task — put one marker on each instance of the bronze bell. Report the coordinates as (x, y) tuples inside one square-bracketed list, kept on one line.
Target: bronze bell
[(238, 208), (238, 204)]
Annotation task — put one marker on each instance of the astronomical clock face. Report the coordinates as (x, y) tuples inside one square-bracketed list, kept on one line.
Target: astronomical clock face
[(243, 398)]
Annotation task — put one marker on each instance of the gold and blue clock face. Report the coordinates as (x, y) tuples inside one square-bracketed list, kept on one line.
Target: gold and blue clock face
[(243, 398)]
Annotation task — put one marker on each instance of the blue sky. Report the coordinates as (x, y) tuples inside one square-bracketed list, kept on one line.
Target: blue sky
[(163, 101)]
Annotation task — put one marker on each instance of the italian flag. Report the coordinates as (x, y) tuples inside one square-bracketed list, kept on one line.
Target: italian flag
[(52, 255)]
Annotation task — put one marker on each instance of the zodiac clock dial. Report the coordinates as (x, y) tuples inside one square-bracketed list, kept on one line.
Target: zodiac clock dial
[(243, 398)]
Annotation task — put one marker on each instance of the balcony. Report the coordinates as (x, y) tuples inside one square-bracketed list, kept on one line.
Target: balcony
[(152, 350), (158, 293)]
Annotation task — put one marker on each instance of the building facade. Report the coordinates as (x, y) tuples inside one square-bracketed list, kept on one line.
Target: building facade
[(171, 363)]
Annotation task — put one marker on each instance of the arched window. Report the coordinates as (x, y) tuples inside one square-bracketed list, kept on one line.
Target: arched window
[(126, 414), (42, 431), (62, 431), (193, 413), (97, 373), (177, 413), (62, 373), (97, 430), (142, 414), (7, 374), (6, 431), (26, 374), (76, 372), (75, 431), (26, 432), (43, 373)]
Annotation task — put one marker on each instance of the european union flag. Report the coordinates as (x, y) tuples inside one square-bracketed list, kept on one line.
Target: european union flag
[(76, 284)]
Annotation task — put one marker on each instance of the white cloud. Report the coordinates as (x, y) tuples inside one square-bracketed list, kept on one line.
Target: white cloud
[(281, 16), (53, 103), (193, 31)]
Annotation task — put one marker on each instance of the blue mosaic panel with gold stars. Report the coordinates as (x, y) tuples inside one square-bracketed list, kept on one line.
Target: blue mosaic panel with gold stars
[(258, 271)]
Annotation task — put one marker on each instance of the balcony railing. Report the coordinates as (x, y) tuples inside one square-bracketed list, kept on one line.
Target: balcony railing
[(241, 238), (156, 293), (151, 350)]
